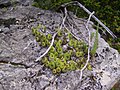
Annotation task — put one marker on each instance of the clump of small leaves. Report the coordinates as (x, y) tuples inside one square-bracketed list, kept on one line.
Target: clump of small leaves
[(59, 60)]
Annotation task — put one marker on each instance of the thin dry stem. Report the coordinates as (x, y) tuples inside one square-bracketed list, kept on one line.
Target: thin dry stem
[(27, 45), (63, 22), (48, 48), (51, 44), (69, 26), (88, 46), (94, 17)]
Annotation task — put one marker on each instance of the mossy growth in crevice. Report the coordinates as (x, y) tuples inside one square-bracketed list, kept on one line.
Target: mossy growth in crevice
[(58, 59)]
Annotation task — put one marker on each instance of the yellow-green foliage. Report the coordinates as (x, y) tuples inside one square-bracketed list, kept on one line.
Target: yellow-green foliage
[(59, 32), (79, 54), (95, 46), (89, 67), (92, 35), (49, 36), (57, 59)]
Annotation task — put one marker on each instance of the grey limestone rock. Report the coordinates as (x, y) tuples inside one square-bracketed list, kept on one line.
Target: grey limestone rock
[(19, 50)]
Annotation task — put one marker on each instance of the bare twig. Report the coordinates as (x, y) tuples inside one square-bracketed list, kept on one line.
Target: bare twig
[(48, 48), (88, 45), (53, 38), (71, 33), (75, 24), (27, 45), (63, 22), (81, 71), (69, 26), (100, 28), (96, 19)]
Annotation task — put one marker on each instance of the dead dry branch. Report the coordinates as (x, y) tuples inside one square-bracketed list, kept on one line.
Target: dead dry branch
[(93, 16)]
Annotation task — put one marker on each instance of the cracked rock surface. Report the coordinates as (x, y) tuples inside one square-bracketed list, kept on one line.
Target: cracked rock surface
[(19, 50)]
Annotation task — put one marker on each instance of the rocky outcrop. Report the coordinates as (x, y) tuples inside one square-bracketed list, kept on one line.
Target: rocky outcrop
[(19, 50)]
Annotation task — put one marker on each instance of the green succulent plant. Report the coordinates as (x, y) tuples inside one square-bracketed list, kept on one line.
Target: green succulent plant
[(64, 61), (57, 59), (52, 50), (44, 60), (71, 43), (44, 28), (56, 54), (82, 60), (86, 50), (49, 36), (80, 42), (52, 56), (68, 68), (58, 62), (69, 36), (61, 55), (70, 52), (43, 37), (82, 65), (73, 65), (89, 67), (39, 43), (79, 54), (43, 44), (46, 63), (60, 41), (54, 71), (37, 34), (77, 49), (106, 11), (59, 49), (75, 43), (67, 56), (64, 69), (61, 65), (37, 39), (39, 26), (34, 30), (64, 41), (51, 65), (58, 44), (59, 32), (47, 43), (84, 46), (58, 70)]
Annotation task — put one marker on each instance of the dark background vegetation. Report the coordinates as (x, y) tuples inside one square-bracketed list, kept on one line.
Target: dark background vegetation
[(108, 11)]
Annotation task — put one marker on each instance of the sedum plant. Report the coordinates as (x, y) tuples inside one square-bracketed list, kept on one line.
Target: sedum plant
[(57, 59)]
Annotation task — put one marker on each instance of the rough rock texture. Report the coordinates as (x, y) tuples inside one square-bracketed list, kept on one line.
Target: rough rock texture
[(18, 51)]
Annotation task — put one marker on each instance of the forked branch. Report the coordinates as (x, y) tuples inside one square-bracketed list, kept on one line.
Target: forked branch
[(94, 17)]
